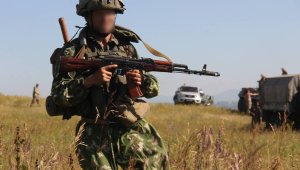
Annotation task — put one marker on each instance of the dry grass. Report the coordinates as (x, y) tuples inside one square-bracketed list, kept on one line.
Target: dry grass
[(197, 138)]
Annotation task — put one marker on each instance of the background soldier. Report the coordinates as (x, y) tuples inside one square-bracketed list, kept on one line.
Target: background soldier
[(248, 100), (112, 131), (35, 95)]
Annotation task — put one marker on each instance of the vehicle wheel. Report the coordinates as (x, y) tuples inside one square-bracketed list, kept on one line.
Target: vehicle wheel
[(266, 116), (296, 125)]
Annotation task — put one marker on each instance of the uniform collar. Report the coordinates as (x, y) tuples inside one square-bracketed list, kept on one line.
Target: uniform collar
[(91, 36)]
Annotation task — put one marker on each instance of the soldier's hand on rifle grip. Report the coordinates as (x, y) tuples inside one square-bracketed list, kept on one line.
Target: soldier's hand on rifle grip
[(135, 76), (102, 76)]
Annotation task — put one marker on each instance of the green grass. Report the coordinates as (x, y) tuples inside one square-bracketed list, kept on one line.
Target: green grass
[(196, 137)]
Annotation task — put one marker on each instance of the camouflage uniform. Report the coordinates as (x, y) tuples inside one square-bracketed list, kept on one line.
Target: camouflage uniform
[(110, 143), (35, 96)]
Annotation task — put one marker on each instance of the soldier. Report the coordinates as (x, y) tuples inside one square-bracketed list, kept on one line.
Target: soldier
[(248, 100), (35, 95), (112, 131)]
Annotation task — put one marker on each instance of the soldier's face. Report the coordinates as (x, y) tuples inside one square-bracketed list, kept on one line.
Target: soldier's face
[(104, 20)]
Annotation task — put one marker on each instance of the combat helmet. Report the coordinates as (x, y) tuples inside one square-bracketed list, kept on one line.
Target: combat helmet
[(86, 6)]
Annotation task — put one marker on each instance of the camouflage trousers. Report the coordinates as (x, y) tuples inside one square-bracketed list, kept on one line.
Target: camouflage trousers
[(137, 147)]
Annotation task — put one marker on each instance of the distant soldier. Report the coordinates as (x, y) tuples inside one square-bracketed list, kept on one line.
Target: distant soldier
[(35, 95), (284, 72), (248, 99)]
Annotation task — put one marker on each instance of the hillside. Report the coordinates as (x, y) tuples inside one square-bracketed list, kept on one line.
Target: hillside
[(207, 137)]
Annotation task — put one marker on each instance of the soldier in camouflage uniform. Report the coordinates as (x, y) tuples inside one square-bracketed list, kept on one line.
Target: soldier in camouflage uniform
[(35, 95), (112, 131)]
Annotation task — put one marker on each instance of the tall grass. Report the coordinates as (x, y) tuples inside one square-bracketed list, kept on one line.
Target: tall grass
[(196, 137)]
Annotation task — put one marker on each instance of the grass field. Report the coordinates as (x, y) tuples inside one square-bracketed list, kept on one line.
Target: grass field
[(196, 137)]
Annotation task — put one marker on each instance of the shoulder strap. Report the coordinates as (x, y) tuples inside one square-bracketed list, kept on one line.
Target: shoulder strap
[(83, 43), (133, 37)]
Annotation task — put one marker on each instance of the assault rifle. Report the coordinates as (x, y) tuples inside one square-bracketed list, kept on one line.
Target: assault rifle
[(70, 64), (66, 64)]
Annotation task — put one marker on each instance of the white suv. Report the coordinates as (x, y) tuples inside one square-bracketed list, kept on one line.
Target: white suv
[(187, 95)]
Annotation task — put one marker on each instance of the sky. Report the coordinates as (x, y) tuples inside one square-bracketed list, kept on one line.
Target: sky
[(239, 39)]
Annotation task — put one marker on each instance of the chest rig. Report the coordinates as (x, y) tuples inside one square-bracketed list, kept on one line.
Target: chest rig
[(114, 94)]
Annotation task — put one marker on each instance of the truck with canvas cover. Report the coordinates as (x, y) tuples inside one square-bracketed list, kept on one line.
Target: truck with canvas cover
[(280, 100)]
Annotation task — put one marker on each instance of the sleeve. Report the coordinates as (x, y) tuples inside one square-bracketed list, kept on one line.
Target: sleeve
[(68, 89), (150, 85)]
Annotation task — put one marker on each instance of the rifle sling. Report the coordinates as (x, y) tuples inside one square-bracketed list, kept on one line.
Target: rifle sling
[(146, 45)]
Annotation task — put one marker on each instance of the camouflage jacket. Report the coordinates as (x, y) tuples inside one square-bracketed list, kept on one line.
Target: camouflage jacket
[(68, 90)]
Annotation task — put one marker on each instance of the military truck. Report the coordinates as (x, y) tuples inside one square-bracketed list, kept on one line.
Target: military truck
[(241, 104), (280, 100)]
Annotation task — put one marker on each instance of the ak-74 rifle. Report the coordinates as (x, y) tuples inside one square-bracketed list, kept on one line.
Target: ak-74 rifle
[(66, 64)]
